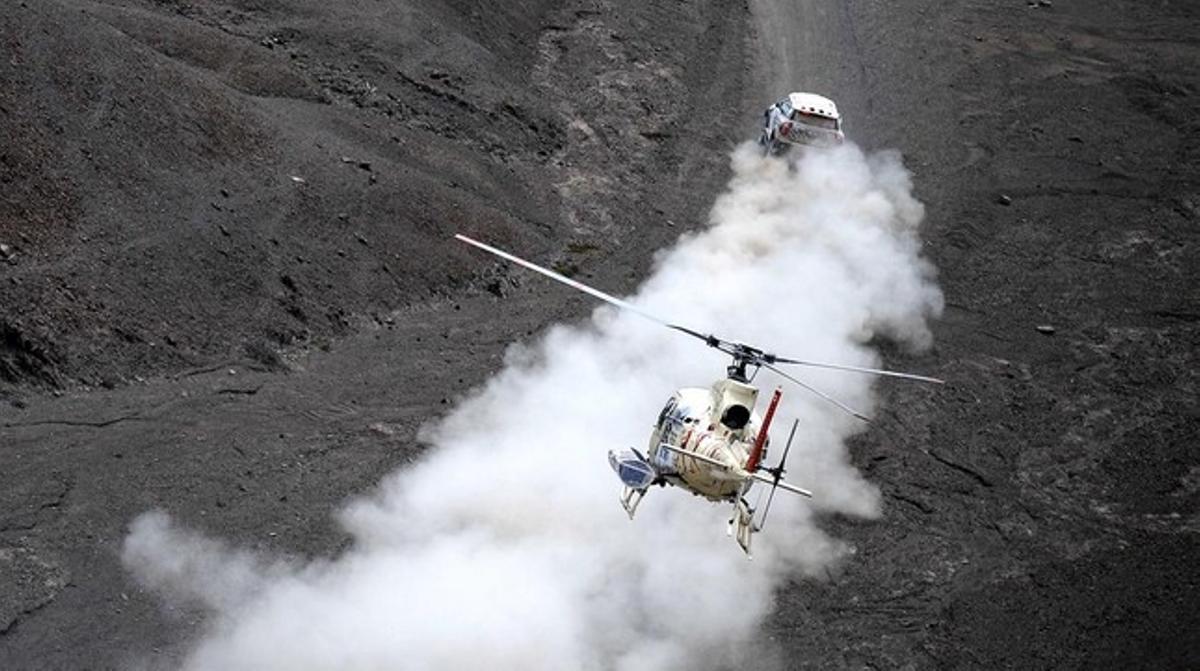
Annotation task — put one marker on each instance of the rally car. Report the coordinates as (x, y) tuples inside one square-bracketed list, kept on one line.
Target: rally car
[(800, 119)]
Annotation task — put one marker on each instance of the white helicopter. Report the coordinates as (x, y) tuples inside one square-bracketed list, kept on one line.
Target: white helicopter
[(710, 441)]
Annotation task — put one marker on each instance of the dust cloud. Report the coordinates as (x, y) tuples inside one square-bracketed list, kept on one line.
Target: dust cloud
[(505, 548)]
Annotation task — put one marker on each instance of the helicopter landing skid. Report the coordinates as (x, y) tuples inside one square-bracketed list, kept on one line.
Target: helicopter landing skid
[(630, 498), (741, 527)]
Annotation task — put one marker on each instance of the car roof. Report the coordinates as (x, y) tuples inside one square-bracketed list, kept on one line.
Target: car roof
[(812, 103)]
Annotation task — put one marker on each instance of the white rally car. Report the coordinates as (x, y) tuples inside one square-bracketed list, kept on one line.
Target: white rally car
[(800, 119)]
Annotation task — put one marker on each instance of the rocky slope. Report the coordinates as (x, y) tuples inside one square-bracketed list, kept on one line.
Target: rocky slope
[(228, 289)]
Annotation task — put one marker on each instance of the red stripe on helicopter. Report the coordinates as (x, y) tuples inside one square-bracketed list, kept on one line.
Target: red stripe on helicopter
[(761, 440)]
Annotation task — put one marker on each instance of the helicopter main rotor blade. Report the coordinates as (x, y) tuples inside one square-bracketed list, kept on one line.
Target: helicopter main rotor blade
[(858, 369), (820, 393), (751, 356), (711, 340), (570, 282)]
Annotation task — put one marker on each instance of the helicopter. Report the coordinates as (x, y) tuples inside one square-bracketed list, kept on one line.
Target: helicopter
[(711, 442)]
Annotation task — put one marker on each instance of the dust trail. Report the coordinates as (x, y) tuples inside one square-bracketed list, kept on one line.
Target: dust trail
[(506, 548)]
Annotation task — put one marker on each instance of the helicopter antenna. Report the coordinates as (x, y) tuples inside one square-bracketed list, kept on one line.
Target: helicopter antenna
[(744, 356)]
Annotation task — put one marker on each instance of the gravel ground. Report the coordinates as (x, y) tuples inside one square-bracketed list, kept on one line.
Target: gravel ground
[(228, 289)]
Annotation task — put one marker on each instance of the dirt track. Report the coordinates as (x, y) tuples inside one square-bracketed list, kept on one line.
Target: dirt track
[(185, 325)]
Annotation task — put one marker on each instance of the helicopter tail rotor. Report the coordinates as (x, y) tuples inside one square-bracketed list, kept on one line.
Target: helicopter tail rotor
[(777, 476)]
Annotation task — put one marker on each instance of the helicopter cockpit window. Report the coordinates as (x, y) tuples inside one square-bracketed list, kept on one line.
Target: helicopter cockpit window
[(735, 417)]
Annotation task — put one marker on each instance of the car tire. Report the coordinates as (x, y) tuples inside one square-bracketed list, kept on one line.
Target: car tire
[(766, 143)]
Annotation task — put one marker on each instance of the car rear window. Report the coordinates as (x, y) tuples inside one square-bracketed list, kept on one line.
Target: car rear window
[(814, 120)]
